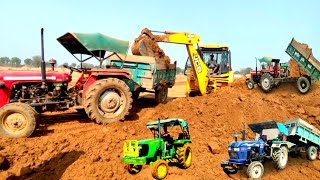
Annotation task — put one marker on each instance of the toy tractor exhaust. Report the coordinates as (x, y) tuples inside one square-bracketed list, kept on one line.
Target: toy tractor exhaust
[(43, 63)]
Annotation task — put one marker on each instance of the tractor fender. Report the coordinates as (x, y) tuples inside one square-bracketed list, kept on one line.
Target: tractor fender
[(116, 73)]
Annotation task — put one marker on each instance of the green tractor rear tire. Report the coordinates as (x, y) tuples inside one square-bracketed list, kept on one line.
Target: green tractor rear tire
[(184, 156), (108, 100), (17, 120), (159, 169)]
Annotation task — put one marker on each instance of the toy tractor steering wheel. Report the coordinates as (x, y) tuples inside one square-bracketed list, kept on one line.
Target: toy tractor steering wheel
[(72, 69)]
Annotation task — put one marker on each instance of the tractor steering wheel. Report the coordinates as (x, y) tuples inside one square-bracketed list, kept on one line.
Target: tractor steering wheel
[(72, 68)]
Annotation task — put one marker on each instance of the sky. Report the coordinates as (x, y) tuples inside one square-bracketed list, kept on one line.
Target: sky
[(252, 28)]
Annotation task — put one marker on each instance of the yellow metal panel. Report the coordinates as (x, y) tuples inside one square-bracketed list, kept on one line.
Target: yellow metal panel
[(213, 45), (199, 68), (131, 148)]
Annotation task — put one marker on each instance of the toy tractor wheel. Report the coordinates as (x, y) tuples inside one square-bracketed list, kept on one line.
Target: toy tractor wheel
[(108, 100), (230, 171), (17, 120), (184, 156), (159, 169), (250, 84), (134, 169), (303, 84), (161, 94), (280, 158), (266, 82), (311, 153), (255, 170)]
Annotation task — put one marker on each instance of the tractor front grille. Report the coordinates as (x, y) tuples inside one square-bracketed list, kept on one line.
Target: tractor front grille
[(233, 155)]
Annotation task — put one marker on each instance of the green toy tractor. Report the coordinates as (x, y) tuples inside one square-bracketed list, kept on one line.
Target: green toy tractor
[(160, 150)]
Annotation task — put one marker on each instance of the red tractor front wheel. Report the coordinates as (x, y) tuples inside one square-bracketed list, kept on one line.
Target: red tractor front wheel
[(17, 120)]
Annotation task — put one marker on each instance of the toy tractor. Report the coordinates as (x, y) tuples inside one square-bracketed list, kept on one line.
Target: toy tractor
[(160, 150), (271, 74), (253, 154)]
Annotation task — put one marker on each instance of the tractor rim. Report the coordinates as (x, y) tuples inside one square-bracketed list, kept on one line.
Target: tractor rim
[(14, 122), (283, 158), (256, 171), (250, 85), (266, 83), (162, 171), (188, 159), (111, 102), (303, 85)]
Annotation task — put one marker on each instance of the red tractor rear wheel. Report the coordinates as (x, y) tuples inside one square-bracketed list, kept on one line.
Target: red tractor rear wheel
[(108, 100), (17, 120)]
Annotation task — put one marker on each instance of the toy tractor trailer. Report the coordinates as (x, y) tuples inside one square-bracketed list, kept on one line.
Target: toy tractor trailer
[(105, 94), (304, 136)]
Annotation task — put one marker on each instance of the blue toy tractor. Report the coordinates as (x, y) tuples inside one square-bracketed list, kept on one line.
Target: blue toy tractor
[(270, 144)]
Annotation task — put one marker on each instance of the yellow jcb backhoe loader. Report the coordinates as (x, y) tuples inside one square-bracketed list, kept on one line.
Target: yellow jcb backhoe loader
[(200, 79)]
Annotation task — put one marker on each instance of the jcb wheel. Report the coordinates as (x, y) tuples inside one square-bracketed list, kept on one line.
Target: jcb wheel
[(134, 169), (161, 94), (108, 100), (184, 156), (280, 158), (266, 82), (17, 120), (255, 170), (312, 153), (159, 169)]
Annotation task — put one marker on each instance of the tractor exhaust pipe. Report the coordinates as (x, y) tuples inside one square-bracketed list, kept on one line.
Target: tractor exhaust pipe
[(43, 63), (243, 131)]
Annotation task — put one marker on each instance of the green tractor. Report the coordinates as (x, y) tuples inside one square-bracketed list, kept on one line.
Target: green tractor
[(161, 150)]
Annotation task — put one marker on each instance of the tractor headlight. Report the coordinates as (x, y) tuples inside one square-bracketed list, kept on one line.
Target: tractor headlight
[(2, 85), (229, 148), (243, 148), (236, 149)]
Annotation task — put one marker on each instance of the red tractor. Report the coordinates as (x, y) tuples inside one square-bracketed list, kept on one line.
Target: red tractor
[(104, 94), (272, 73)]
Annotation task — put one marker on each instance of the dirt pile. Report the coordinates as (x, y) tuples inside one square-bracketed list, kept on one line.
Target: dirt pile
[(69, 146)]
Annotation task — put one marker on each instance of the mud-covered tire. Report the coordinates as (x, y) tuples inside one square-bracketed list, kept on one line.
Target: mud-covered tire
[(161, 94), (312, 153), (159, 170), (280, 158), (250, 84), (17, 120), (133, 169), (184, 156), (255, 170), (266, 82), (108, 100), (230, 171), (303, 84)]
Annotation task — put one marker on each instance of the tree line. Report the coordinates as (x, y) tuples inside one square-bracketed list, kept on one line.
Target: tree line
[(35, 61)]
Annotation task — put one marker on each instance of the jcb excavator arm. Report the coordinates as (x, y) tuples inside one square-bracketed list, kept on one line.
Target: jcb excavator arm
[(147, 45)]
